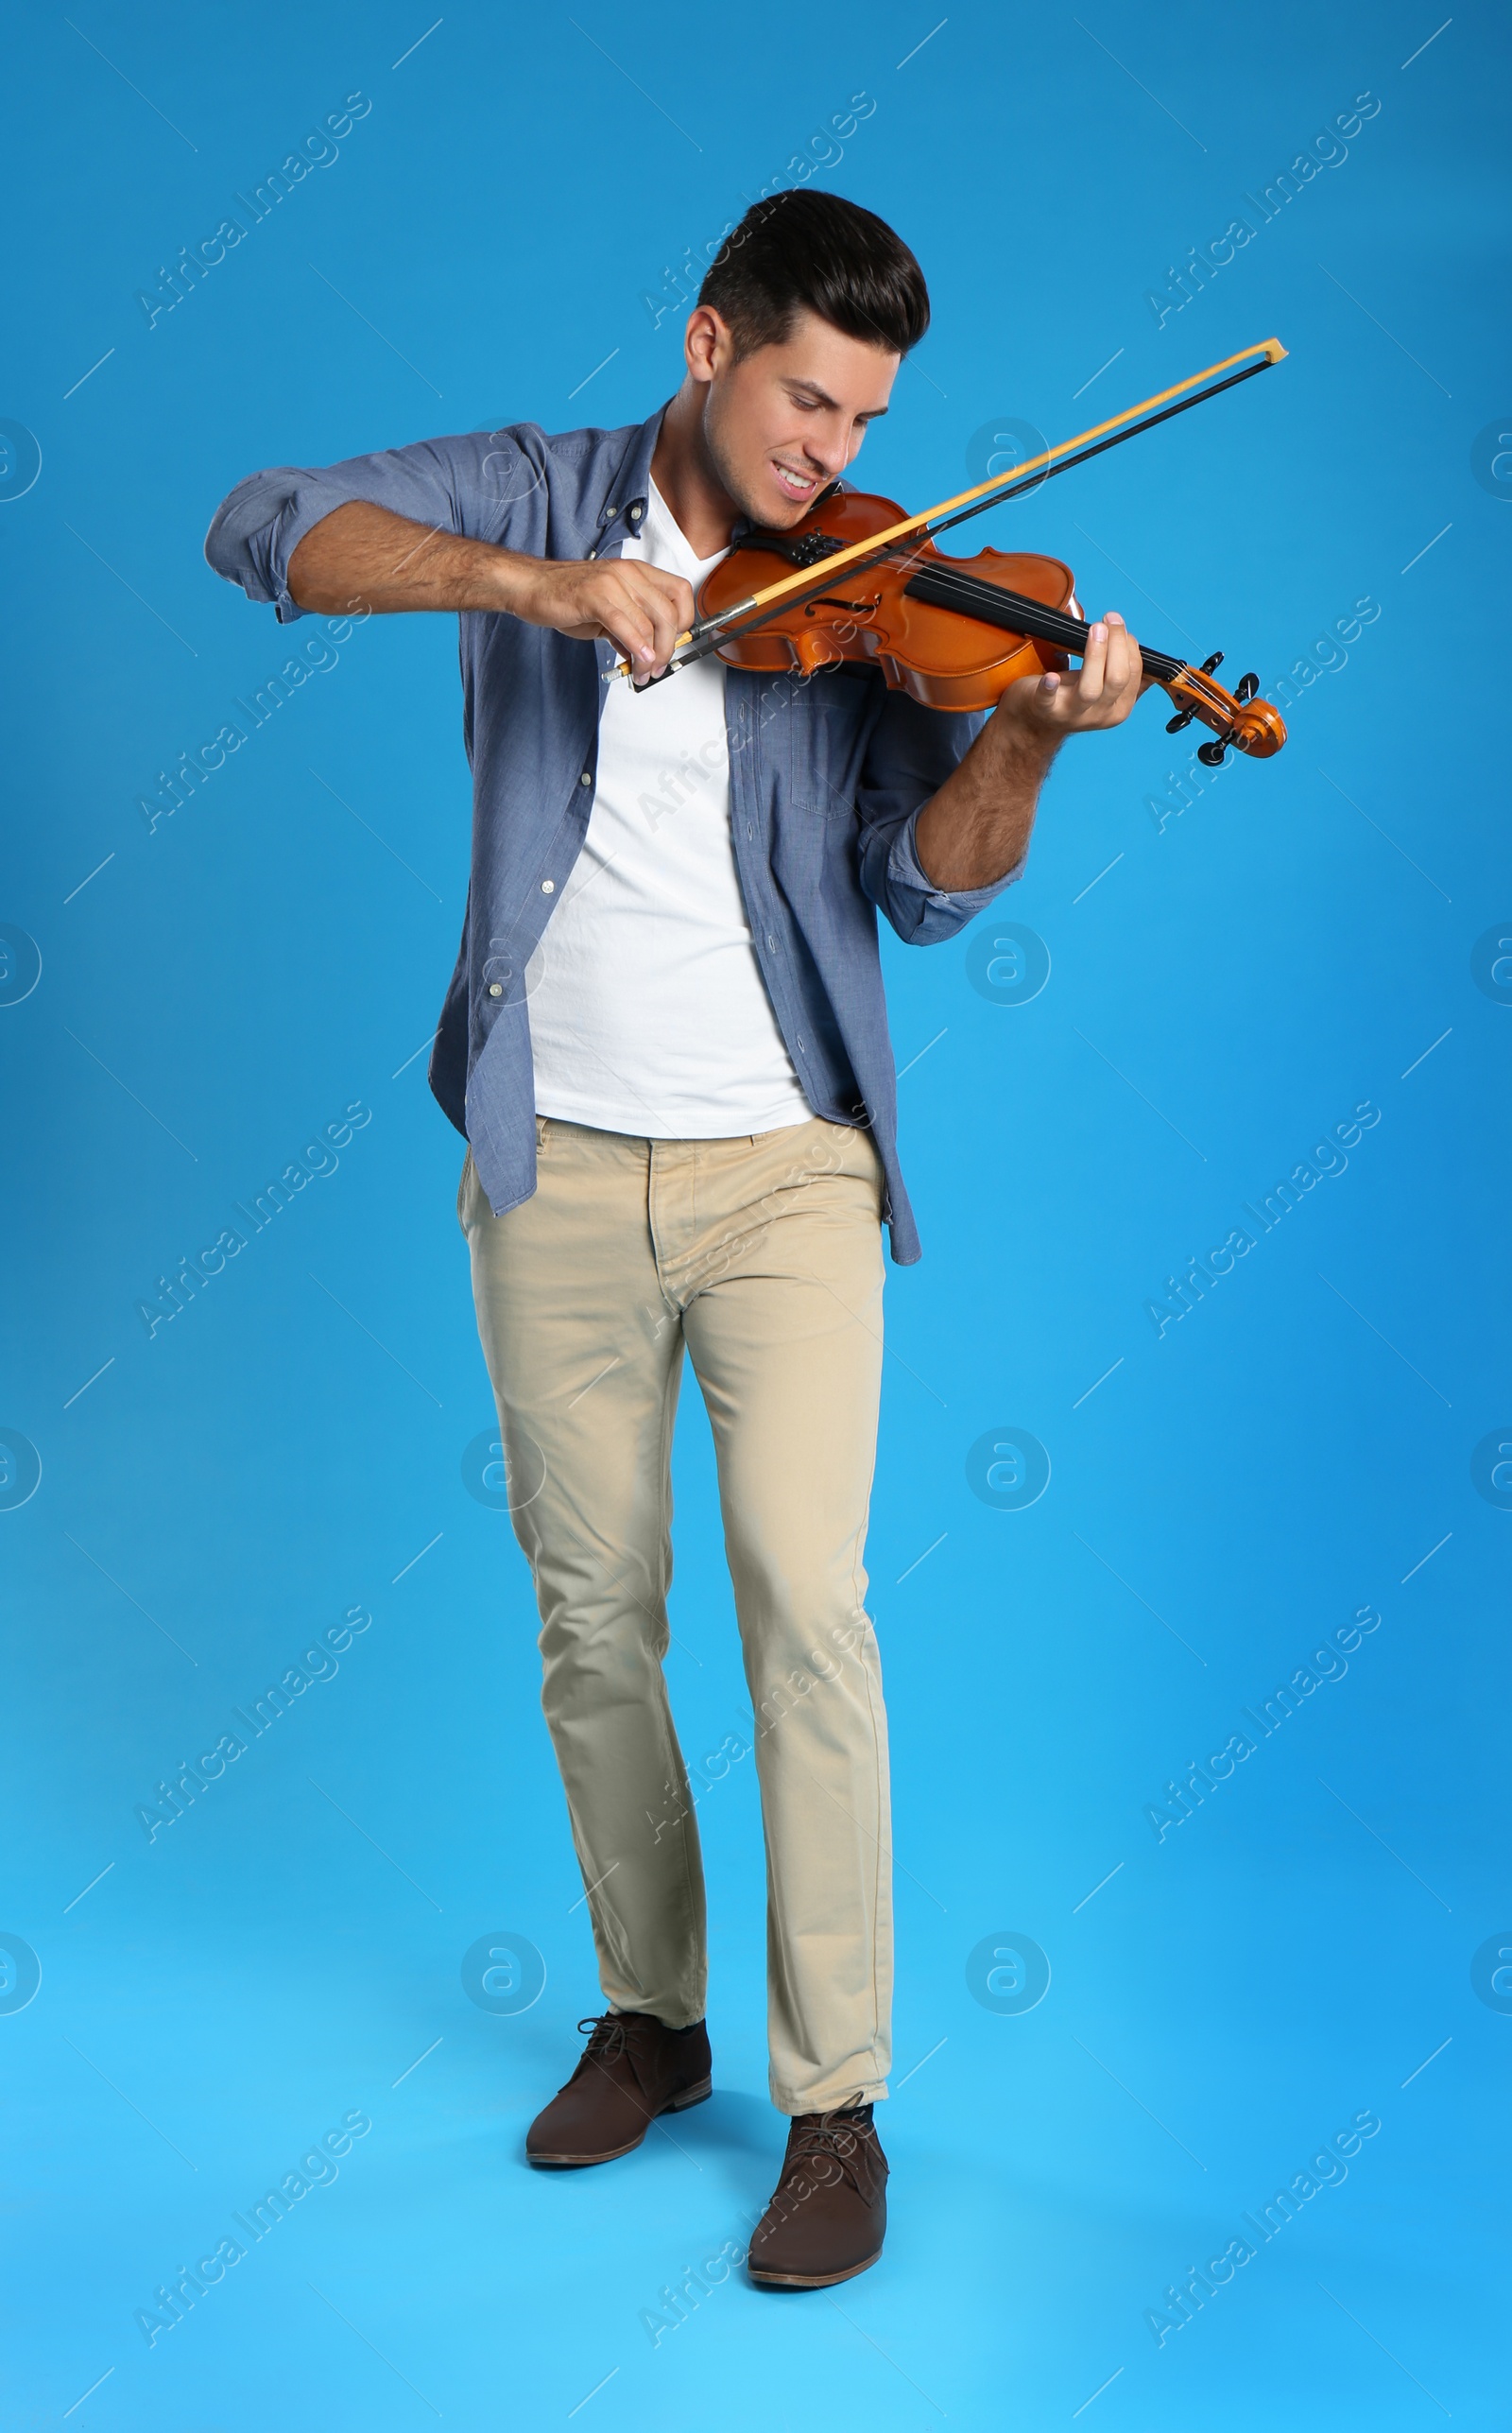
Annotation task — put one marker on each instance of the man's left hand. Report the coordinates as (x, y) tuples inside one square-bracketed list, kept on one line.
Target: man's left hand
[(977, 828), (1100, 693)]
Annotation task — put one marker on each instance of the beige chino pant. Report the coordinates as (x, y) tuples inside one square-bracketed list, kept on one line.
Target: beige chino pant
[(761, 1254)]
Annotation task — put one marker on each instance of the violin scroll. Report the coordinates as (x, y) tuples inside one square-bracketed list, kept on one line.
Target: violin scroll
[(1240, 719)]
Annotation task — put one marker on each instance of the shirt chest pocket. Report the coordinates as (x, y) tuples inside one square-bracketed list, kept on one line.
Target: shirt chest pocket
[(829, 718)]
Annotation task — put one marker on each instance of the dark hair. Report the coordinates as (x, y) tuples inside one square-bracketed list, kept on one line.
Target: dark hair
[(799, 249)]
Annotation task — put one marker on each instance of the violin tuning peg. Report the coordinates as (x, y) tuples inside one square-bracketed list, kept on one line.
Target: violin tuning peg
[(1211, 754), (1209, 664), (1247, 688), (1182, 719)]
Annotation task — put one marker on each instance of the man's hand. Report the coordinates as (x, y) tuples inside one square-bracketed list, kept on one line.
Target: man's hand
[(640, 607), (977, 828), (361, 556), (1100, 693)]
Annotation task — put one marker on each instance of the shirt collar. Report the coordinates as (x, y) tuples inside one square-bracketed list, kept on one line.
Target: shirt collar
[(627, 501), (622, 513)]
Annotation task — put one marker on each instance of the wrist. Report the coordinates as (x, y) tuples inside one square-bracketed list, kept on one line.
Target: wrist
[(1022, 732), (1025, 743), (507, 580)]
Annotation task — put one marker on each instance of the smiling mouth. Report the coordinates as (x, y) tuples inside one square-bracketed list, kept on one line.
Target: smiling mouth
[(797, 485)]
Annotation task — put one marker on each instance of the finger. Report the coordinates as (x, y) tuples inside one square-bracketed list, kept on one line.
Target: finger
[(635, 608), (1094, 663), (625, 622), (1116, 658), (678, 589), (1125, 671), (672, 616), (666, 600)]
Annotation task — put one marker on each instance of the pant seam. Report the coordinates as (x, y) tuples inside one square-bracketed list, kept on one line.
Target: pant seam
[(679, 1771)]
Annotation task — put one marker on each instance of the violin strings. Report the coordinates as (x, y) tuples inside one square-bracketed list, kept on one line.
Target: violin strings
[(970, 593)]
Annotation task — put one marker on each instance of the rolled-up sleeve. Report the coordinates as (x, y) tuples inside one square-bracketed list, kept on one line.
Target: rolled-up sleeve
[(470, 485), (911, 753)]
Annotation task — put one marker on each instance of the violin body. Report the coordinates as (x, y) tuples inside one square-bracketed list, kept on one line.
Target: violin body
[(946, 660), (952, 632)]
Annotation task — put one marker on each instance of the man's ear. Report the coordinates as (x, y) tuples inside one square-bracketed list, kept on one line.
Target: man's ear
[(707, 344)]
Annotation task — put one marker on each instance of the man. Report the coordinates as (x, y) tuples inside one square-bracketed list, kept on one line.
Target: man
[(665, 1041)]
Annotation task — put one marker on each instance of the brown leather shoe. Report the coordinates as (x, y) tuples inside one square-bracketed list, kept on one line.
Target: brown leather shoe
[(829, 2212), (632, 2068)]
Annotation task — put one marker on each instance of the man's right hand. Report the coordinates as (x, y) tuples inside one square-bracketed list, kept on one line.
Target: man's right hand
[(640, 607), (361, 556)]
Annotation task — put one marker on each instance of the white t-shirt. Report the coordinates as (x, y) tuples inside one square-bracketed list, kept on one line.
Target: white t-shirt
[(648, 1013)]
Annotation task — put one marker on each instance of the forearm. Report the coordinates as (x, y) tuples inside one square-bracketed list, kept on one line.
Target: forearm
[(363, 556), (976, 827)]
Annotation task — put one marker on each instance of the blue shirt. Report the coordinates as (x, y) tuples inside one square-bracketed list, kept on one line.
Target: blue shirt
[(828, 775)]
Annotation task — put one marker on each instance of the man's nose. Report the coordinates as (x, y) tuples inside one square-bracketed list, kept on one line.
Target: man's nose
[(829, 452)]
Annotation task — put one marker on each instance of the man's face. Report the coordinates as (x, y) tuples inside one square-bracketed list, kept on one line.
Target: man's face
[(782, 425)]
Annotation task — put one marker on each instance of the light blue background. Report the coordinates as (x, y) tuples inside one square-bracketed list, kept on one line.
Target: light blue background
[(1293, 943)]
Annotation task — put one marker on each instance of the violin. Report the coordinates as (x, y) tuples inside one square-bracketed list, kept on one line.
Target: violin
[(868, 584), (952, 632)]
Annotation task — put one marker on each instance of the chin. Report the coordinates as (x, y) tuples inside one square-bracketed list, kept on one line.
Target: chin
[(779, 512)]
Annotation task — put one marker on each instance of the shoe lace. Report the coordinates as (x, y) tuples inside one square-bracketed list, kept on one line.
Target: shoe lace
[(830, 2136), (606, 2037), (612, 2039)]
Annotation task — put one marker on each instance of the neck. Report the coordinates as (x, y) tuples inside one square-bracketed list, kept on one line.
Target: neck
[(683, 472)]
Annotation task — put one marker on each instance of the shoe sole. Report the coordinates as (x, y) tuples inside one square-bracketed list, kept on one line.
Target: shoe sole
[(699, 2093), (811, 2280)]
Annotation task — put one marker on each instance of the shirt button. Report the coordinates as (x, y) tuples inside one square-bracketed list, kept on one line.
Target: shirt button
[(548, 887), (771, 943), (635, 516), (750, 830), (495, 988), (587, 778)]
